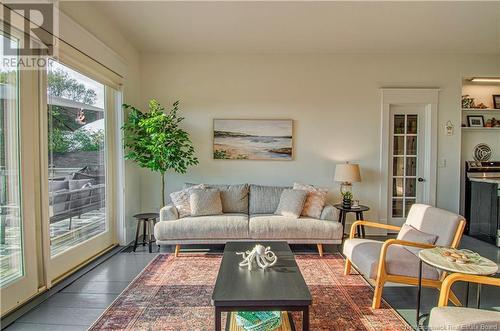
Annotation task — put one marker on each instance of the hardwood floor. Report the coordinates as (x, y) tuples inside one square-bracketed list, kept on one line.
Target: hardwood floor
[(79, 304)]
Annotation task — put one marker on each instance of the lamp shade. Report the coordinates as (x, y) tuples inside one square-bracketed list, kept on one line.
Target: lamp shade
[(347, 172)]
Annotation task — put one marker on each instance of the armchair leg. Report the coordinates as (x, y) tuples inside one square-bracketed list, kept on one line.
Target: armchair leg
[(347, 268), (177, 249), (320, 249), (377, 295)]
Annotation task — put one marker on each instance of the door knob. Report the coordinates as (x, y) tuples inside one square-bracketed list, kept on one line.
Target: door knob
[(420, 179)]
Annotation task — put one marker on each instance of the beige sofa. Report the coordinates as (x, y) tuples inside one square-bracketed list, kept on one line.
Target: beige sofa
[(248, 215)]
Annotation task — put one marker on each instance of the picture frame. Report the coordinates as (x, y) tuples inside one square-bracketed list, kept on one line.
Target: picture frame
[(253, 139), (496, 101), (475, 121)]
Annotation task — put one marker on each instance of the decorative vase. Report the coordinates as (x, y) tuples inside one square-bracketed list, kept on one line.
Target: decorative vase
[(346, 203)]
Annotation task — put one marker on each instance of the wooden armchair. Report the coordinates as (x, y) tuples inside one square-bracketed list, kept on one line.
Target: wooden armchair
[(390, 261), (458, 318)]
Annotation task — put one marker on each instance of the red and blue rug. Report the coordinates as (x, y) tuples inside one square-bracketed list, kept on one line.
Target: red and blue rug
[(174, 294)]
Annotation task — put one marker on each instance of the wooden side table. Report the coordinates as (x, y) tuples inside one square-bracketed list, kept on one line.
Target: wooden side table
[(148, 221), (359, 216), (434, 258)]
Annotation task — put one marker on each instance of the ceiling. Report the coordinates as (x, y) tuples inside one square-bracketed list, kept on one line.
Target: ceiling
[(462, 27)]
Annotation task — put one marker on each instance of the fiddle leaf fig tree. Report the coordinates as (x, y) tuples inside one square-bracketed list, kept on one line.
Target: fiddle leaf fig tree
[(155, 140)]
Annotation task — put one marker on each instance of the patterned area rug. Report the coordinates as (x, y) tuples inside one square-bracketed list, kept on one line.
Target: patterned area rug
[(174, 294)]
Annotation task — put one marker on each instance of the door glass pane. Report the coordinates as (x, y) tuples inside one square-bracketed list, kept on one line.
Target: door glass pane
[(411, 166), (408, 204), (410, 187), (411, 124), (399, 124), (399, 145), (11, 231), (411, 145), (397, 187), (398, 166), (76, 157), (397, 207)]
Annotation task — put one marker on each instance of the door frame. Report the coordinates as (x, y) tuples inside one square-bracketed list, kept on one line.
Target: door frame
[(427, 97)]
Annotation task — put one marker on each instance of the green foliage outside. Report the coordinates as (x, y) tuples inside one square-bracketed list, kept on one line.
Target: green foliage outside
[(155, 140), (62, 85), (61, 141)]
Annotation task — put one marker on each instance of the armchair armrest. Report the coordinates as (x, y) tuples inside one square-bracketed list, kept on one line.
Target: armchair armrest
[(169, 213), (329, 213), (448, 282), (373, 225), (388, 243)]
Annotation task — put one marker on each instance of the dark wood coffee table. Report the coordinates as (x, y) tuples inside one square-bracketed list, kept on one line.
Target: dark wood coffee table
[(281, 287)]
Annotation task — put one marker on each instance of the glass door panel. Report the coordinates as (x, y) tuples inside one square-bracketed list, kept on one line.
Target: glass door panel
[(76, 158), (11, 225), (404, 163)]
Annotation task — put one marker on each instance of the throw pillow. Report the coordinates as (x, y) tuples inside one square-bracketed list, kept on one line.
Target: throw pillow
[(180, 199), (315, 201), (234, 197), (409, 233), (205, 202), (291, 203)]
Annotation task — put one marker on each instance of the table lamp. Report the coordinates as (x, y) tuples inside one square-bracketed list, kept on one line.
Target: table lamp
[(347, 173)]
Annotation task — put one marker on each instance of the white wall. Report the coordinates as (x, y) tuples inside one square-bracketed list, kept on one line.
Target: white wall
[(91, 32), (334, 100)]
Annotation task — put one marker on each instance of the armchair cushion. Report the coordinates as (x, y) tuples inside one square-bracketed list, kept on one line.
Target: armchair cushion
[(459, 318), (365, 253), (409, 233), (433, 220)]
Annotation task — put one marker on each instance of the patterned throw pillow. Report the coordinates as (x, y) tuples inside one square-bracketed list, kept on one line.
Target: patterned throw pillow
[(316, 199), (180, 199)]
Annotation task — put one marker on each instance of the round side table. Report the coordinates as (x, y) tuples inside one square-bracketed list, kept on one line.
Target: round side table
[(148, 221), (359, 216), (433, 257)]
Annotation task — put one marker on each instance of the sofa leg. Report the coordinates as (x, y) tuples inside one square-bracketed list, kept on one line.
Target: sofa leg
[(320, 249), (177, 249), (377, 295), (347, 268)]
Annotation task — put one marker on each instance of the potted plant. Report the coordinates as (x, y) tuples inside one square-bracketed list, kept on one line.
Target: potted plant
[(347, 199), (155, 140)]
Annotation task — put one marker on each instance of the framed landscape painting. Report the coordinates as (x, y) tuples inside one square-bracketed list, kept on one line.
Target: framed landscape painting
[(242, 139)]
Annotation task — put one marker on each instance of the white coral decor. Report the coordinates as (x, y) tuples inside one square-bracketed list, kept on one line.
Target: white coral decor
[(263, 256)]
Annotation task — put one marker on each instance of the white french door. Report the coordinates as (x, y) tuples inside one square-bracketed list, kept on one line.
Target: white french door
[(407, 156)]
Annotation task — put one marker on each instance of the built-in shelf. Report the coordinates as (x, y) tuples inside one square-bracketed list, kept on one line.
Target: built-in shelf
[(482, 111), (480, 129)]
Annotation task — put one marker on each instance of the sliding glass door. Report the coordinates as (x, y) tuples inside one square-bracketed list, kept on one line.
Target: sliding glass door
[(77, 164), (18, 267)]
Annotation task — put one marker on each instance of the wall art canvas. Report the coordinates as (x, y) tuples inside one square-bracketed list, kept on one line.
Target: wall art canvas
[(242, 139)]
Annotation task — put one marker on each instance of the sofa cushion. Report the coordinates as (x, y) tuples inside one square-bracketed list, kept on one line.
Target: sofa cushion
[(281, 227), (460, 318), (365, 253), (291, 203), (180, 199), (205, 202), (78, 183), (234, 197), (58, 185), (315, 201), (226, 226), (264, 199)]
